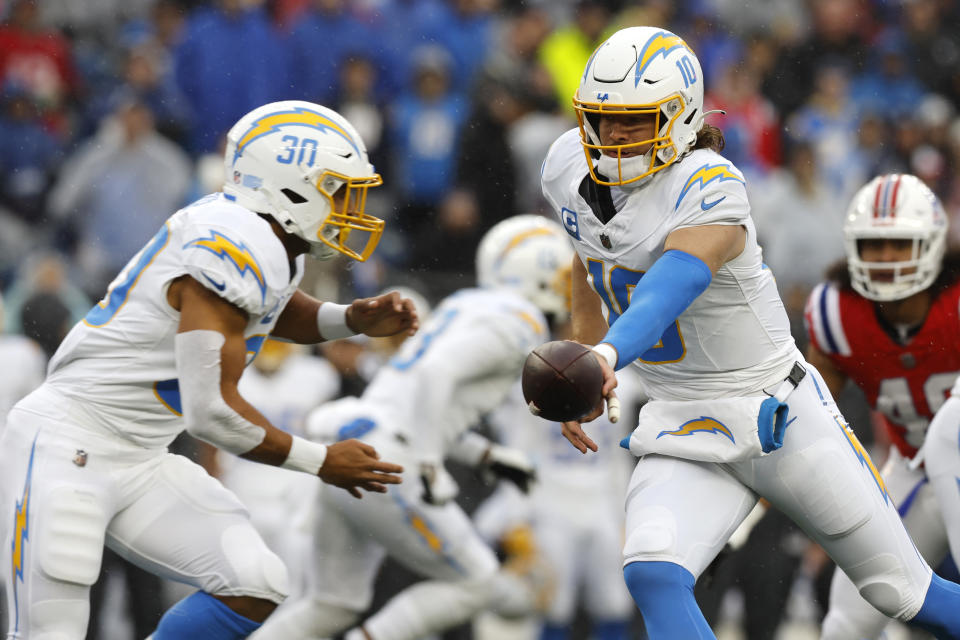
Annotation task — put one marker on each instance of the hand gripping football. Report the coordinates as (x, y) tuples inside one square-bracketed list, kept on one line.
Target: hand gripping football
[(562, 381)]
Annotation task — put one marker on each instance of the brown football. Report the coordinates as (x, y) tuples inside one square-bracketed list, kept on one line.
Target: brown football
[(562, 381)]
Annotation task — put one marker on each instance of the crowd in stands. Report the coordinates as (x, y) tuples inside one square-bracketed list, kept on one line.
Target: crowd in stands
[(112, 113)]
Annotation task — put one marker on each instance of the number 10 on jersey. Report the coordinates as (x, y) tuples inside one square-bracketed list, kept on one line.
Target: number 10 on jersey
[(614, 284)]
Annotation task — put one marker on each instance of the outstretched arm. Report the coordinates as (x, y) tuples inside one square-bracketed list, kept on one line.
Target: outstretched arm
[(211, 354), (306, 320)]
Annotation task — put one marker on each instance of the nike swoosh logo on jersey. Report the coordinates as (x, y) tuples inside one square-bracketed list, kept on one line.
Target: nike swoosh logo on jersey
[(220, 286), (706, 206)]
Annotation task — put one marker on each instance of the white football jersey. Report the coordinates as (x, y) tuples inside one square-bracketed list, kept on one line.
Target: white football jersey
[(458, 367), (735, 338), (118, 364)]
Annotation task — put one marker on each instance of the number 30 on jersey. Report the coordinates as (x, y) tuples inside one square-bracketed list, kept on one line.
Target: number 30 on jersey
[(614, 284)]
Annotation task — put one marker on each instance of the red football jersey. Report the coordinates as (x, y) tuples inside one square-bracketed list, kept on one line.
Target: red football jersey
[(906, 383)]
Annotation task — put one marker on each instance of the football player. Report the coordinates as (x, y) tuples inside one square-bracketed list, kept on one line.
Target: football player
[(84, 461), (889, 322), (285, 384), (670, 280), (416, 411)]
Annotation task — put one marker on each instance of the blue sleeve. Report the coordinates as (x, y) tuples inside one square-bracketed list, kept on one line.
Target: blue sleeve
[(662, 294)]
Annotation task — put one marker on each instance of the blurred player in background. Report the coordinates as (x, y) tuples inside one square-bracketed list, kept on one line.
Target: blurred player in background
[(670, 279), (23, 369), (84, 458), (574, 513), (889, 321), (284, 383), (417, 411)]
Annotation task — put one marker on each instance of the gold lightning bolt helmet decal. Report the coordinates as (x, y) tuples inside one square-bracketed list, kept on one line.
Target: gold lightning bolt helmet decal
[(298, 116)]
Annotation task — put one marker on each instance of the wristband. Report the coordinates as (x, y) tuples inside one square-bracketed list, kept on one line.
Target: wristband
[(332, 321), (305, 455), (608, 352)]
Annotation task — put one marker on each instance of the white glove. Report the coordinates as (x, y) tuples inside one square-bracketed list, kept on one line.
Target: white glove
[(510, 464), (439, 487)]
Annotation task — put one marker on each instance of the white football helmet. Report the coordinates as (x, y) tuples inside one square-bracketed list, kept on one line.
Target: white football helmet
[(895, 207), (288, 160), (640, 70), (531, 254)]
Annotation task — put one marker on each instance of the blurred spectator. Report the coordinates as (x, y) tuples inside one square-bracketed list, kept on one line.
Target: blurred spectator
[(799, 224), (829, 121), (148, 76), (933, 45), (117, 190), (565, 51), (485, 163), (229, 62), (43, 272), (39, 60), (45, 319), (29, 154), (516, 55), (751, 127), (358, 103), (464, 28), (426, 124), (446, 249), (888, 86), (838, 27), (320, 40)]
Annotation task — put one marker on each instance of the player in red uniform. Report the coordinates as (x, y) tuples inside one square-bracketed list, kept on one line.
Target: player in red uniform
[(890, 323)]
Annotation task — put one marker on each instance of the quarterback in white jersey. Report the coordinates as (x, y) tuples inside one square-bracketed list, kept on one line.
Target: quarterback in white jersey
[(84, 458), (417, 411), (668, 251)]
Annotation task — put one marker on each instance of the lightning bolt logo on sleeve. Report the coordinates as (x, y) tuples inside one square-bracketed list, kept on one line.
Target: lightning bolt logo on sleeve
[(21, 534), (702, 424), (299, 116), (704, 176), (660, 44), (236, 253)]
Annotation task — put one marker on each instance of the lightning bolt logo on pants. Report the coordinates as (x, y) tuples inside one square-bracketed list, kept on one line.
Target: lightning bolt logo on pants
[(697, 425), (21, 533)]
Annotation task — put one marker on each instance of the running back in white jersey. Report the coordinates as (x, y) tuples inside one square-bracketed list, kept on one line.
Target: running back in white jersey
[(459, 366), (735, 337), (119, 360)]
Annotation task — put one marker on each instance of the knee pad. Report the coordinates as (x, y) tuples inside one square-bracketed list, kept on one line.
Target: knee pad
[(70, 536), (258, 572), (883, 583)]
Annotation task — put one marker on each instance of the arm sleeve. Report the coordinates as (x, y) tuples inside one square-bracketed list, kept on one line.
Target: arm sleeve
[(663, 293)]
